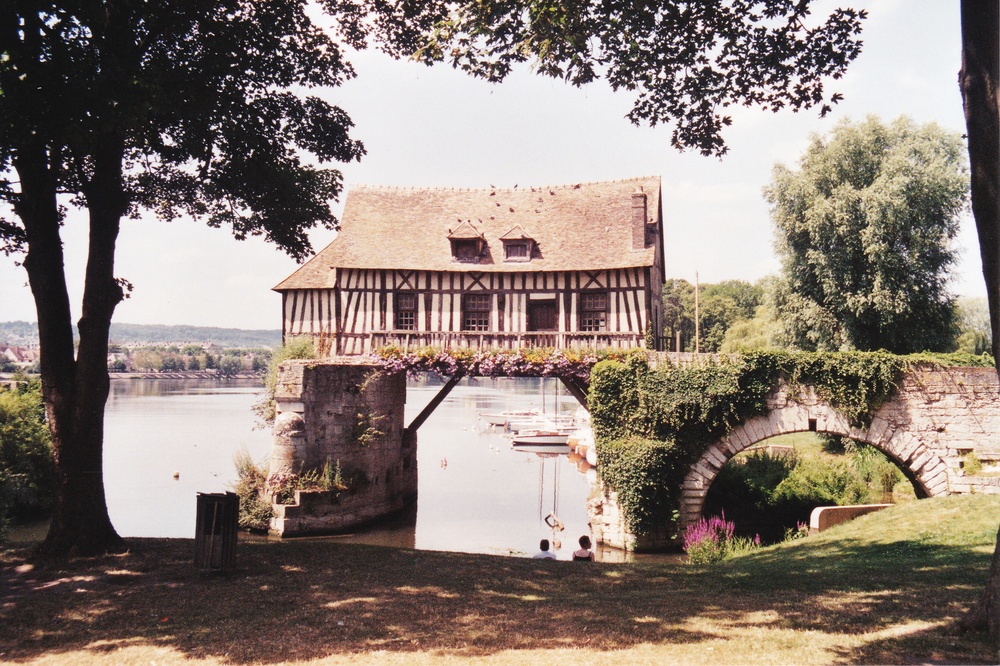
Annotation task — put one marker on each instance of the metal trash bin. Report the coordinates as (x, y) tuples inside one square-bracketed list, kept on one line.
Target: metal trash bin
[(215, 531)]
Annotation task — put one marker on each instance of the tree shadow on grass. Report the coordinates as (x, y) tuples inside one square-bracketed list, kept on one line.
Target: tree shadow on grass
[(312, 599)]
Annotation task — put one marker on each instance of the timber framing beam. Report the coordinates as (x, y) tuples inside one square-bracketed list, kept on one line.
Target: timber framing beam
[(577, 388), (433, 404)]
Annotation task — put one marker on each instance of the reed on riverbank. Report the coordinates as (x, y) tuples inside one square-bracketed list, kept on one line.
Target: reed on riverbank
[(886, 588)]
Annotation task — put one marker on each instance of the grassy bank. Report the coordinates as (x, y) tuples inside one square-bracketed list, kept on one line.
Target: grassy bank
[(887, 588)]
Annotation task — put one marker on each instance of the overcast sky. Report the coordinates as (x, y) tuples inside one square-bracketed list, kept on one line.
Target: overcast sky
[(437, 127)]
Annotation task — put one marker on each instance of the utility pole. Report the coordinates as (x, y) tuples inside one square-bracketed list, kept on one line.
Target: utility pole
[(697, 317)]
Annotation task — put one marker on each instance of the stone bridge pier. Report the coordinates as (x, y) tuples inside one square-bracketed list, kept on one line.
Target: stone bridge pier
[(349, 415), (936, 417)]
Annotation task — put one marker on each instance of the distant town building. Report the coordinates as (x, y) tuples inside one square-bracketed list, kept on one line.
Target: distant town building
[(21, 357)]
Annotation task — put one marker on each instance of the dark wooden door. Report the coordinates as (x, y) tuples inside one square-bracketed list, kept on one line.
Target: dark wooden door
[(542, 315)]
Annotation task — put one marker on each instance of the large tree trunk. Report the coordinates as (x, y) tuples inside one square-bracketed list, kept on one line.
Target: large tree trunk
[(979, 80), (75, 390)]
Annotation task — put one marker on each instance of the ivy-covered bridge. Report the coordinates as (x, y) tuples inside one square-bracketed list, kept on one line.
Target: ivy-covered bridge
[(665, 424), (665, 430), (934, 419)]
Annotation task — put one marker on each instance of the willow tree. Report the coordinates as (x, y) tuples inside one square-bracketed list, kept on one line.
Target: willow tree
[(200, 108), (865, 226)]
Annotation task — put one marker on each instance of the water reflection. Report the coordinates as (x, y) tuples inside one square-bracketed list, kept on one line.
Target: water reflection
[(477, 493), (156, 427)]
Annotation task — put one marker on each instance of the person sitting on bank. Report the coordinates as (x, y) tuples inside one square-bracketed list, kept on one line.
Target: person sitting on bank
[(585, 553), (544, 553)]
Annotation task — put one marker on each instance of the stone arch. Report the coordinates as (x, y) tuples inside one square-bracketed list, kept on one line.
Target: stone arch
[(926, 471)]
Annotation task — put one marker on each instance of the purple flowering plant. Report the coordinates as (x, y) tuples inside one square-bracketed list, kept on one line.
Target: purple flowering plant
[(528, 362), (713, 540)]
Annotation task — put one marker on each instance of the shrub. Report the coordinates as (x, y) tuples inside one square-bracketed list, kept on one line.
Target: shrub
[(876, 470), (751, 478), (27, 471), (815, 483), (744, 489), (257, 488), (251, 487), (971, 464)]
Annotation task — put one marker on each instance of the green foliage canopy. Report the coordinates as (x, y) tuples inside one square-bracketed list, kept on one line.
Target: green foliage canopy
[(720, 306), (723, 305), (678, 313), (975, 335), (193, 120), (685, 61), (204, 108), (864, 232)]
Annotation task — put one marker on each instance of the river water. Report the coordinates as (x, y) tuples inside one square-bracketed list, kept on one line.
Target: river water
[(476, 492)]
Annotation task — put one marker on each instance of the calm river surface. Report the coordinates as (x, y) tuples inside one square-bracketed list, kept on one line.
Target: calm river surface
[(476, 493)]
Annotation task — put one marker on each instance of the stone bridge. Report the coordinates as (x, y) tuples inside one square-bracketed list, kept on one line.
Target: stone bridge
[(936, 417)]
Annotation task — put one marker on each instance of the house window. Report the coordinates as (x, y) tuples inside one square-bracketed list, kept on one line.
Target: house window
[(466, 250), (476, 312), (406, 311), (516, 251), (594, 311), (543, 315)]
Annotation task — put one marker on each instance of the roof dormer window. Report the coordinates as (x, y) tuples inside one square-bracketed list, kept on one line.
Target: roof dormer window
[(517, 245), (467, 243), (516, 251)]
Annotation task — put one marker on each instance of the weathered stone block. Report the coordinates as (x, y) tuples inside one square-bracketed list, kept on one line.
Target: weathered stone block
[(825, 517), (716, 456), (705, 468)]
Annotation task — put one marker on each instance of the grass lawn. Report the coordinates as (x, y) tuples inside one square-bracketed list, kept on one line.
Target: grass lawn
[(887, 588)]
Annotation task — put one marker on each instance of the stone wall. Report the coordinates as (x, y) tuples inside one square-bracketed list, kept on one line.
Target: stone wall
[(607, 525), (824, 517), (330, 412)]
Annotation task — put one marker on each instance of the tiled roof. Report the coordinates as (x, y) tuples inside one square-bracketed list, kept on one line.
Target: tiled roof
[(587, 226), (465, 230), (516, 233)]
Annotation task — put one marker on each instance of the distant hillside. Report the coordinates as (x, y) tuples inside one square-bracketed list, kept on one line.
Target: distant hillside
[(20, 333), (26, 333), (224, 337)]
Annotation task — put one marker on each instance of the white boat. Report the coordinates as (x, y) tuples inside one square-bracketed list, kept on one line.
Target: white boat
[(502, 418), (544, 450), (581, 439), (544, 436), (582, 442), (540, 422)]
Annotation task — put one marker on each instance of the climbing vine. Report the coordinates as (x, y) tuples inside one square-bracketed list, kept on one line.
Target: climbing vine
[(685, 408), (647, 476), (367, 424)]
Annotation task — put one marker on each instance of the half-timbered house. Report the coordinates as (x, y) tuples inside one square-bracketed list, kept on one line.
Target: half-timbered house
[(562, 266)]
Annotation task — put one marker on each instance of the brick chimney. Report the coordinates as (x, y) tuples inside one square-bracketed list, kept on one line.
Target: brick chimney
[(638, 219)]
